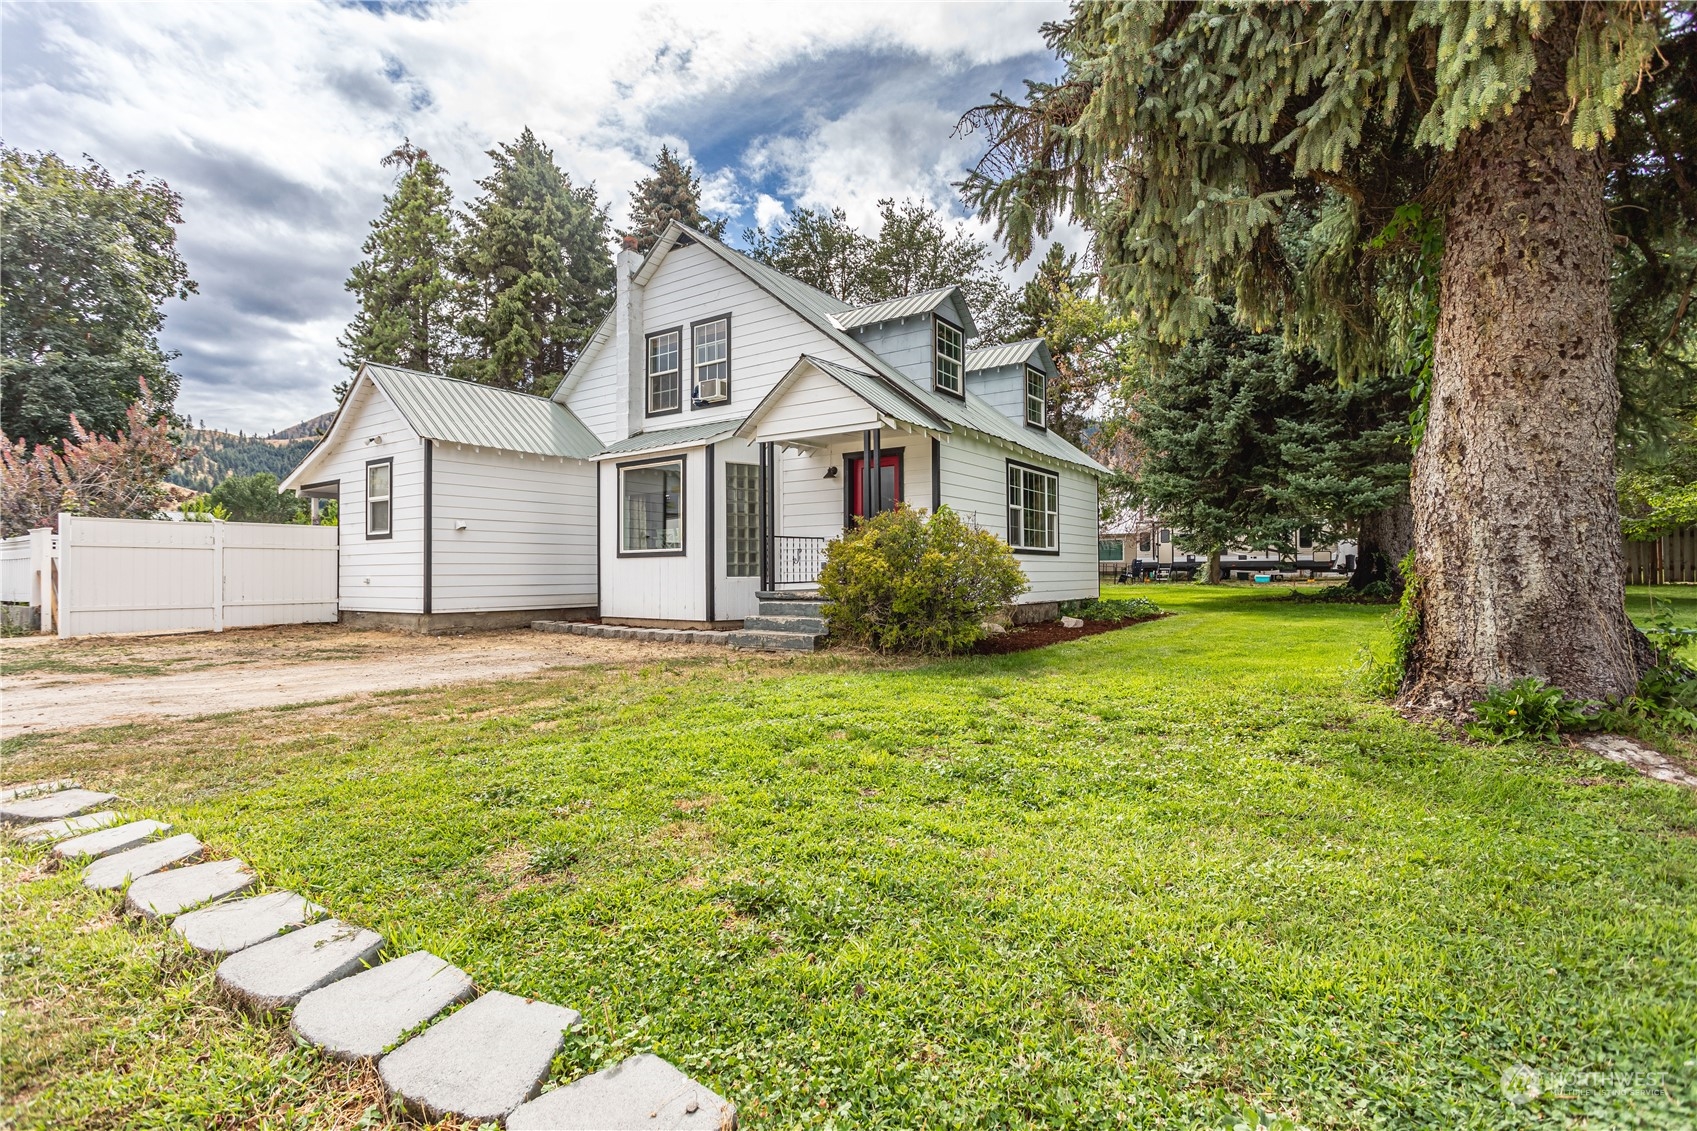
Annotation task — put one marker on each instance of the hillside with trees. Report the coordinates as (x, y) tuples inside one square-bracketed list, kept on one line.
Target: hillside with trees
[(221, 455)]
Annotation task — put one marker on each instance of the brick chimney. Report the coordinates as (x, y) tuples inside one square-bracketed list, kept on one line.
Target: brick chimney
[(628, 344)]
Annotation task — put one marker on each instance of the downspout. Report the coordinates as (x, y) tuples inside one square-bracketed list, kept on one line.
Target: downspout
[(936, 475), (429, 522), (710, 536)]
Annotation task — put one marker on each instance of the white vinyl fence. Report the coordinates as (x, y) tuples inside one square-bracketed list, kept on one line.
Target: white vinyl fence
[(14, 569), (135, 575)]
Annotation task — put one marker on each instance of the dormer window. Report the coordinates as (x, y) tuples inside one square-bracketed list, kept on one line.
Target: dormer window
[(1036, 404), (712, 344), (665, 376), (951, 358)]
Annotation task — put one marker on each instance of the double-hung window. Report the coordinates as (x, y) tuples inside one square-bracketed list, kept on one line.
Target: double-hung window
[(665, 372), (379, 498), (742, 520), (951, 357), (1033, 509), (651, 507), (1036, 404), (712, 342)]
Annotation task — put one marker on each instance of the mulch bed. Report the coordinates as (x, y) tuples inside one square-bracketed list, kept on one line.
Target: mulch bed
[(1029, 636)]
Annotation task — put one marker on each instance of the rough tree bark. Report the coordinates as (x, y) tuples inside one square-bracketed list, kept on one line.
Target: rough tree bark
[(1383, 540), (1213, 567), (1517, 533)]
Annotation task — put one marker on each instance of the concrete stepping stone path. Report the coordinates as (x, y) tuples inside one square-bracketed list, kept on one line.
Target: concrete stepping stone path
[(119, 869), (164, 894), (70, 826), (274, 974), (92, 846), (642, 1092), (481, 1062), (363, 1015), (13, 792), (65, 803), (237, 924)]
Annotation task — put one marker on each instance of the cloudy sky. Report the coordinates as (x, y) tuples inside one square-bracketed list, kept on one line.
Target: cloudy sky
[(270, 120)]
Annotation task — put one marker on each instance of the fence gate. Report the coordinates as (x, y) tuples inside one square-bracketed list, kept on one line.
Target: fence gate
[(136, 575), (1670, 559)]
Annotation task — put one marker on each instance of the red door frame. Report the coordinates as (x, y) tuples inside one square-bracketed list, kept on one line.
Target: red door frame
[(854, 504)]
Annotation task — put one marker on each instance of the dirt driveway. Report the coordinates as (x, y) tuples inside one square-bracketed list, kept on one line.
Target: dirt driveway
[(50, 684)]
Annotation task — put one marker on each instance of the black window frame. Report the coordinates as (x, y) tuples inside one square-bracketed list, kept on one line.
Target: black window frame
[(1049, 552), (365, 489), (937, 324), (682, 460), (695, 401), (648, 408), (1042, 376), (731, 527)]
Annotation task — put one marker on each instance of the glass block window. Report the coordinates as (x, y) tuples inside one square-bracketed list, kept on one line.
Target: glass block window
[(742, 520)]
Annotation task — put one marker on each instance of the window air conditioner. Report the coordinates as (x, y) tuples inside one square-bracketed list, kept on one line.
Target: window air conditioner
[(713, 389)]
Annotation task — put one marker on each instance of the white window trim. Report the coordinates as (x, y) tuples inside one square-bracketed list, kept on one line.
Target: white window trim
[(1041, 400), (941, 328), (388, 499)]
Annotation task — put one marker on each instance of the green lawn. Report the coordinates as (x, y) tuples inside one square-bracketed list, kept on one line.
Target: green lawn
[(1143, 879)]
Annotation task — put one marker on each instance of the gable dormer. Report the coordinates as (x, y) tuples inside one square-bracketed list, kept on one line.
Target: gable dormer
[(1014, 379), (923, 336)]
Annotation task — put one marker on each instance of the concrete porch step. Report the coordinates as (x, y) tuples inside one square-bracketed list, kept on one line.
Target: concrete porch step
[(626, 632), (786, 622), (758, 641), (796, 607)]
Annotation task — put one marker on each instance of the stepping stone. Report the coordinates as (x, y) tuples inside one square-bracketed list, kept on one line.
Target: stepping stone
[(274, 974), (65, 803), (164, 894), (481, 1062), (70, 826), (92, 846), (641, 1092), (13, 792), (363, 1015), (117, 870), (225, 928)]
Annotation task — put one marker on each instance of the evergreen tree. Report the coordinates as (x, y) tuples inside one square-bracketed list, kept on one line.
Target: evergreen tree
[(537, 270), (672, 192), (822, 249), (405, 283), (1452, 163), (86, 263)]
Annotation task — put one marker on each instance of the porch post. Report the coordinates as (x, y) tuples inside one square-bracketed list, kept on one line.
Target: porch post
[(867, 475), (877, 471), (766, 522)]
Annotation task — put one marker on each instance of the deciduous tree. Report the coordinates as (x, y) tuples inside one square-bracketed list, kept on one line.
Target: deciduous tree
[(87, 261), (1451, 161)]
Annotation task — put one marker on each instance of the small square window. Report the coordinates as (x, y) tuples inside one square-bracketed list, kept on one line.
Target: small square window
[(651, 508), (951, 357)]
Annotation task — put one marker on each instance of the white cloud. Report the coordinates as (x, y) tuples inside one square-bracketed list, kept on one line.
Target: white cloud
[(768, 210), (270, 119)]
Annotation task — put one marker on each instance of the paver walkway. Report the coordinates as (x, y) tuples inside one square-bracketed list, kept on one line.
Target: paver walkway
[(485, 1061)]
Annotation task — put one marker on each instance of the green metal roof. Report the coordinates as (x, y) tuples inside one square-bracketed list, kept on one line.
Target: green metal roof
[(888, 398), (463, 412), (684, 436), (995, 357), (925, 302)]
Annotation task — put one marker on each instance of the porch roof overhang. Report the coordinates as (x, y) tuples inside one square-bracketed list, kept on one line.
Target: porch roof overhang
[(888, 403), (658, 439)]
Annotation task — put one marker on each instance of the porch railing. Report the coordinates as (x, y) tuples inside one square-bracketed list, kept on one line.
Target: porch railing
[(797, 561)]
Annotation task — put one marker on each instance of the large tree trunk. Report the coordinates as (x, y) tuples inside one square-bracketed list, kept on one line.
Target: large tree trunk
[(1213, 567), (1384, 539), (1517, 532)]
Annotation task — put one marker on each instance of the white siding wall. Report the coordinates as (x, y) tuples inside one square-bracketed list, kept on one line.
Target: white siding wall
[(655, 587), (907, 345), (811, 506), (529, 537), (593, 397), (974, 477), (384, 574), (816, 405)]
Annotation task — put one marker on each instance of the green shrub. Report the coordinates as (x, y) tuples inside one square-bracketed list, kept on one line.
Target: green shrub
[(902, 582), (1110, 608), (1373, 593), (1386, 674), (1526, 708)]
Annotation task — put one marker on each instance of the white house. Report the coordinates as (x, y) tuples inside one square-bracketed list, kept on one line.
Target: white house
[(720, 427)]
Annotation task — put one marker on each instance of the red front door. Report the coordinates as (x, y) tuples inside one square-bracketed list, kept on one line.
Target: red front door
[(889, 485)]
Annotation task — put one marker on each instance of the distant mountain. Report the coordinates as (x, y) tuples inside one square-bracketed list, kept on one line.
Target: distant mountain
[(223, 454), (306, 429)]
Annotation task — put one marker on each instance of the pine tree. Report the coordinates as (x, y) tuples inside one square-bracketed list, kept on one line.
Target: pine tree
[(672, 192), (405, 283), (536, 268), (1450, 164)]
